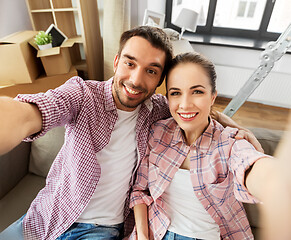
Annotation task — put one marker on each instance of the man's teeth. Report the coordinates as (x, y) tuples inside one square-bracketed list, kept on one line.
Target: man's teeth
[(188, 115), (131, 91)]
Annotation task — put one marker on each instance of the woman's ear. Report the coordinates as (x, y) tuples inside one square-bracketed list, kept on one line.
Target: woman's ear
[(214, 95)]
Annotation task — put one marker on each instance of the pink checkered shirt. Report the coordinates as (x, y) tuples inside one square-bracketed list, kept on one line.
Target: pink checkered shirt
[(217, 167), (88, 111)]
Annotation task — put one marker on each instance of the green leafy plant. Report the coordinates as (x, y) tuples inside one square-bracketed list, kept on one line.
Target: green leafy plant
[(43, 38)]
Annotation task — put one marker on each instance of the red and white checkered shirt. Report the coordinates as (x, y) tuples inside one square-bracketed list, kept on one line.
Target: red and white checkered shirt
[(88, 111), (217, 168)]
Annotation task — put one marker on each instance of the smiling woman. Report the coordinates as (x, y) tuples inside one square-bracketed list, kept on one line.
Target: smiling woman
[(190, 100), (193, 152)]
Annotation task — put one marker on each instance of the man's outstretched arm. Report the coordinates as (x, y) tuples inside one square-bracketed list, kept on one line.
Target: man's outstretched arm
[(17, 121)]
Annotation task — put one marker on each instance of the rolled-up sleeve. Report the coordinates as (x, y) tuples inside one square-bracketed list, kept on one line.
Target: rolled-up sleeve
[(243, 155), (57, 106)]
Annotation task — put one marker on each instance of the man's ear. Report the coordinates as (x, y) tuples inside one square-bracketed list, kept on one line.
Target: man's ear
[(115, 62)]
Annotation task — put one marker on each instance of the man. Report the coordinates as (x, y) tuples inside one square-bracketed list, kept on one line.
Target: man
[(87, 189)]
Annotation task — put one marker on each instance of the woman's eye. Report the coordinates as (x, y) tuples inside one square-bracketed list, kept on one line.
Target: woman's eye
[(174, 93), (197, 92)]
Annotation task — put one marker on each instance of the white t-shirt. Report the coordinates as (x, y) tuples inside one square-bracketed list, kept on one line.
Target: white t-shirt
[(117, 161), (188, 216)]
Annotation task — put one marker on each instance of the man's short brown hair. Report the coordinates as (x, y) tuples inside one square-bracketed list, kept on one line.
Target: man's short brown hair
[(156, 37)]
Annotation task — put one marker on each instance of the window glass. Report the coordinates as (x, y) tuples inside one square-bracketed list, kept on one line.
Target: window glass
[(200, 6), (242, 6), (281, 16), (240, 14)]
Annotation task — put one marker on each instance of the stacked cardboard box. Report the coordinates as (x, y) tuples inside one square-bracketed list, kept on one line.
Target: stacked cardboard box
[(18, 61), (41, 84), (55, 60), (22, 65)]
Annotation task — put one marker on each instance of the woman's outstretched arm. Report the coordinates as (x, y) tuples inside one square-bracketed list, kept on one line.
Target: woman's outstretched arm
[(270, 181)]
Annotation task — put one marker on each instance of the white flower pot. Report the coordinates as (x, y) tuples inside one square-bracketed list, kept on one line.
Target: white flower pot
[(45, 46)]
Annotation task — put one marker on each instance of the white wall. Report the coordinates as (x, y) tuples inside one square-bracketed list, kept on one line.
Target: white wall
[(234, 67), (140, 6), (13, 17)]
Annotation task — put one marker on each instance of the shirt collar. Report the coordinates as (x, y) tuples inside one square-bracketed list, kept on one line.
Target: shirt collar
[(109, 101), (202, 143)]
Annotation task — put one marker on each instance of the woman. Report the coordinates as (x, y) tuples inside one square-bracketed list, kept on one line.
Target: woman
[(194, 174)]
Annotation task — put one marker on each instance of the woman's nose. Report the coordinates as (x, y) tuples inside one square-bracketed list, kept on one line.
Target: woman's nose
[(185, 102)]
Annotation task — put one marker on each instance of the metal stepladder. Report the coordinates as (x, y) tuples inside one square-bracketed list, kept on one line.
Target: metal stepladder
[(273, 52)]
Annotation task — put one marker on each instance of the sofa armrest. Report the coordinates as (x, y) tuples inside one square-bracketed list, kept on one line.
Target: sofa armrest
[(13, 167)]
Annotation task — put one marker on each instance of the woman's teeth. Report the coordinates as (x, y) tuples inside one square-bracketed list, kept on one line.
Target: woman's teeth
[(188, 115)]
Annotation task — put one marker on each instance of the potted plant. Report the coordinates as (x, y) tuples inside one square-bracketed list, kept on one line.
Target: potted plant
[(43, 40)]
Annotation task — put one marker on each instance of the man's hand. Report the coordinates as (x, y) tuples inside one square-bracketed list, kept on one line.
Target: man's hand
[(246, 134), (243, 133)]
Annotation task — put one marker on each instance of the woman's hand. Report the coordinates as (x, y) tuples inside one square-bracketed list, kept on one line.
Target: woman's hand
[(142, 237), (141, 221)]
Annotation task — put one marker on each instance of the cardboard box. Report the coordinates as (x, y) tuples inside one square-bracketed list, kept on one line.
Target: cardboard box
[(41, 84), (18, 61), (55, 60)]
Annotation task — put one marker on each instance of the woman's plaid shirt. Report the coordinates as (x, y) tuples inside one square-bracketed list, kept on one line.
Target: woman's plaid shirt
[(218, 164)]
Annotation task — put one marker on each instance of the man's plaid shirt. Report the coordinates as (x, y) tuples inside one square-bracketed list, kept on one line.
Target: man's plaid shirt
[(88, 110)]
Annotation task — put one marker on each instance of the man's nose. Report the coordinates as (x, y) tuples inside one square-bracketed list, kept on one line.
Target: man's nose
[(137, 77)]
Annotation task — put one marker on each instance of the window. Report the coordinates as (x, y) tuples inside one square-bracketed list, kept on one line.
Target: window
[(280, 18), (252, 19), (243, 14)]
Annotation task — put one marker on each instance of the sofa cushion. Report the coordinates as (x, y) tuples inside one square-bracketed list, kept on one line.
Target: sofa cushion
[(268, 138), (14, 204), (13, 167), (44, 150)]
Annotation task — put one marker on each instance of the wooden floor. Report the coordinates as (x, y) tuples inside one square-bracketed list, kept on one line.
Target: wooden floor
[(256, 114)]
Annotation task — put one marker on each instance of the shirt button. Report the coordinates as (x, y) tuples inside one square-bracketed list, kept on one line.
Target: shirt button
[(226, 237), (195, 171), (208, 205), (199, 194), (194, 151)]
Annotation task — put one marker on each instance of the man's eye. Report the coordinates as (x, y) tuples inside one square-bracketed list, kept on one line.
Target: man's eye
[(129, 64), (150, 71)]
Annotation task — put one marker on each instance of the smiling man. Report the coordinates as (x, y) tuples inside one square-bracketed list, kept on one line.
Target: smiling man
[(138, 70), (107, 124), (87, 189)]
